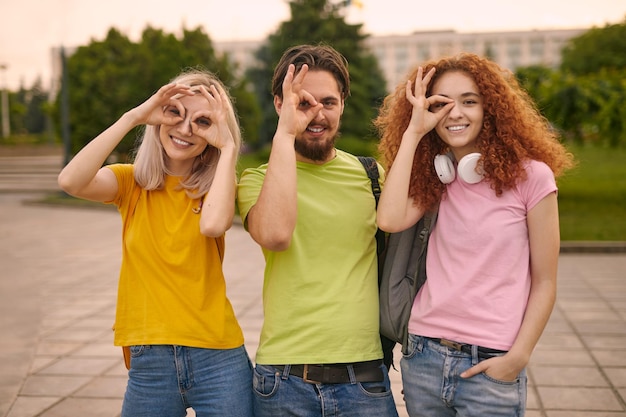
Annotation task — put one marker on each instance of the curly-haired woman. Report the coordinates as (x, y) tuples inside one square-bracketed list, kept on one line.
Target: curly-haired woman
[(463, 137)]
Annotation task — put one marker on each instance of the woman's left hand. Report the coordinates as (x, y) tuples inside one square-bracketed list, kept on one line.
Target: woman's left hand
[(212, 123), (499, 368)]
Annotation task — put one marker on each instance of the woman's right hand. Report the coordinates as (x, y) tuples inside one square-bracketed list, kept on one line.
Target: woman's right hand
[(423, 120), (151, 112)]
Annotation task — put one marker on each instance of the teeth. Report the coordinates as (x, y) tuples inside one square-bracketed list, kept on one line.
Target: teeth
[(456, 128), (315, 129), (181, 142)]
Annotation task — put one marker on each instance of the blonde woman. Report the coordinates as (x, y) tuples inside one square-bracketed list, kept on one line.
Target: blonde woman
[(176, 201)]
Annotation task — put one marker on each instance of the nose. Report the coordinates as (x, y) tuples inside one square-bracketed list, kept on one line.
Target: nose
[(456, 111), (319, 116), (184, 127)]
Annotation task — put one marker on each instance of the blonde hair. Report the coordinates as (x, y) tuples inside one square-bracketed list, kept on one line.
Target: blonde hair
[(150, 161)]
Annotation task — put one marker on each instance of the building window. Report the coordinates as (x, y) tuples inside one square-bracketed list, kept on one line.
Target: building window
[(537, 48), (445, 48), (514, 52), (468, 46), (423, 52)]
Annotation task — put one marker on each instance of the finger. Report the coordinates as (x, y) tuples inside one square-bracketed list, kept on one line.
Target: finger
[(207, 93), (170, 117), (428, 77), (300, 75), (474, 370), (408, 90), (436, 99), (418, 82), (288, 80)]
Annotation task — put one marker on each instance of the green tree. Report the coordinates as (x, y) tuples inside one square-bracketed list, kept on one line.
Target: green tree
[(320, 21), (35, 99), (107, 78), (596, 49), (584, 97)]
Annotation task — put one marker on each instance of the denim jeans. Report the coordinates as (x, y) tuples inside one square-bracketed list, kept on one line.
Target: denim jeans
[(432, 385), (165, 380), (280, 394)]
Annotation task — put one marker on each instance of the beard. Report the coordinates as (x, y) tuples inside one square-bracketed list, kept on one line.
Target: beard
[(316, 150)]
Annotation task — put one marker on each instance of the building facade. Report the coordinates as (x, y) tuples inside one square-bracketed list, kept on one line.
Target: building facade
[(398, 54)]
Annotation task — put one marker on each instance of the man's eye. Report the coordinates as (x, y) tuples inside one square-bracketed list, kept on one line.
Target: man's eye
[(305, 104)]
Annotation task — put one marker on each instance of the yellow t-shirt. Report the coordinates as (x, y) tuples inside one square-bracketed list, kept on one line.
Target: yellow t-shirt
[(171, 287)]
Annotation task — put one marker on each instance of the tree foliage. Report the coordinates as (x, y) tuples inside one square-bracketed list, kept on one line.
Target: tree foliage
[(595, 50), (314, 22), (108, 77), (584, 98)]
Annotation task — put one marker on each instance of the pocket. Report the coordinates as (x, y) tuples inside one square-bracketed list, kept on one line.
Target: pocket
[(265, 380), (136, 351), (502, 382), (375, 389), (413, 343)]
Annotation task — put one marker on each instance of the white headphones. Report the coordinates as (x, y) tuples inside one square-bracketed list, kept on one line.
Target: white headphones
[(468, 168)]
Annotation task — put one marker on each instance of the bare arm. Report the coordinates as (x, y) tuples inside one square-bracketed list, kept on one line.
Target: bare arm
[(543, 231), (272, 220), (218, 208), (396, 211), (84, 176)]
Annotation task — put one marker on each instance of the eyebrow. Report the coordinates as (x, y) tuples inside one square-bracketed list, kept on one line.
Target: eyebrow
[(468, 94)]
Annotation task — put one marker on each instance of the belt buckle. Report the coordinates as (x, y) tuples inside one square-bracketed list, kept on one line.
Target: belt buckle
[(451, 344), (305, 376)]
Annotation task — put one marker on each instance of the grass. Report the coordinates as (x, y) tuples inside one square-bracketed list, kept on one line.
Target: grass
[(592, 196)]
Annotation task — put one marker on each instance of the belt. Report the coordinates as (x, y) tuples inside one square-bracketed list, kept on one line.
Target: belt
[(338, 373), (483, 352)]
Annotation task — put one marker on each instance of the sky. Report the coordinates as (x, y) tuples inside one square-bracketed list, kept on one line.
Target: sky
[(30, 28)]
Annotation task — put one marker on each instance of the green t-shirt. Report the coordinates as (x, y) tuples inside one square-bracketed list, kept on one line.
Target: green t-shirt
[(320, 295)]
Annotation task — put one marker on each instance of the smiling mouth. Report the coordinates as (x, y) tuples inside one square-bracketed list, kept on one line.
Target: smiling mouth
[(456, 128), (180, 142), (315, 129)]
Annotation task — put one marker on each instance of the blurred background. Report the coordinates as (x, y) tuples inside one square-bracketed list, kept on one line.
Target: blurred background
[(68, 69)]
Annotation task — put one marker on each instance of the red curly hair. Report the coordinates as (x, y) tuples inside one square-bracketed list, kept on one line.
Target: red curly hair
[(513, 130)]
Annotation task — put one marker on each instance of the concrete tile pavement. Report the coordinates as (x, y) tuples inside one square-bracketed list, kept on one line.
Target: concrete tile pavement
[(58, 279)]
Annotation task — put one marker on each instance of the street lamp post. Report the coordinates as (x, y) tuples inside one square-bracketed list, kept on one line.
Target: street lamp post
[(6, 127)]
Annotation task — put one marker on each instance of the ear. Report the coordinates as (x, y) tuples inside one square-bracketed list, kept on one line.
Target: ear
[(342, 106), (278, 104)]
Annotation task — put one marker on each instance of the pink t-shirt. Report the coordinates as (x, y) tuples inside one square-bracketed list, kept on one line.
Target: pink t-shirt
[(478, 262)]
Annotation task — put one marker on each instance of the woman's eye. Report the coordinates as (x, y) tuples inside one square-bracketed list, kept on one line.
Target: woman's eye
[(437, 106), (203, 121), (174, 111)]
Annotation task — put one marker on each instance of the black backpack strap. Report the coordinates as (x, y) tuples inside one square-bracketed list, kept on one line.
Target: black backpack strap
[(371, 167)]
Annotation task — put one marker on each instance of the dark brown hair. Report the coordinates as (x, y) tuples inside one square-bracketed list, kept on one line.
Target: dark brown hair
[(318, 58)]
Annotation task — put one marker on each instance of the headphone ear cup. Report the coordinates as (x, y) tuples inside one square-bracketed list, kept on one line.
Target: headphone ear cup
[(444, 168), (469, 170)]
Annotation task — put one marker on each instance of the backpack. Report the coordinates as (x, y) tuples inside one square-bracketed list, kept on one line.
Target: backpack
[(401, 271)]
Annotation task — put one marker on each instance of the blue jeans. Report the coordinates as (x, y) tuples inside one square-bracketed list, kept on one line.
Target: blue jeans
[(279, 394), (432, 385), (165, 380)]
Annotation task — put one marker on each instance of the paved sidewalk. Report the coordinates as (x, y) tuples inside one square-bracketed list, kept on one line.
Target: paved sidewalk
[(58, 281)]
